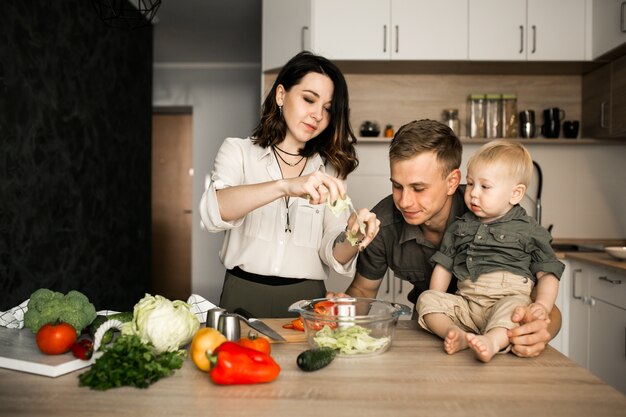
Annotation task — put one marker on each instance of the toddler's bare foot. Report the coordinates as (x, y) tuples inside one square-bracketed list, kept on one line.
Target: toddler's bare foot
[(484, 348), (455, 340)]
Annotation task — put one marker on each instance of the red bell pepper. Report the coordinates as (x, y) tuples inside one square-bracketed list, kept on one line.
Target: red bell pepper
[(296, 324), (235, 364)]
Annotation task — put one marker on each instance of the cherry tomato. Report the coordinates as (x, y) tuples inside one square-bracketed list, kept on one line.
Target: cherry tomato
[(83, 349), (55, 339)]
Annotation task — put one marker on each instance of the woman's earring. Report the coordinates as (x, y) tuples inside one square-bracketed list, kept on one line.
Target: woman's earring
[(280, 110)]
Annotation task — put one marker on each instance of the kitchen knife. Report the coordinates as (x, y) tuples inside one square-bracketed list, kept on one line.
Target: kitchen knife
[(258, 325)]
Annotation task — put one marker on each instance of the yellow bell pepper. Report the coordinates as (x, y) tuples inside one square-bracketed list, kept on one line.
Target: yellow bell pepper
[(204, 343)]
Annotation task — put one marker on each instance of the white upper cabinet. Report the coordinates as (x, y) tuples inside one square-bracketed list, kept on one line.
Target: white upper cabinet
[(608, 23), (429, 30), (351, 29), (533, 30), (390, 29), (383, 30), (365, 29), (286, 24)]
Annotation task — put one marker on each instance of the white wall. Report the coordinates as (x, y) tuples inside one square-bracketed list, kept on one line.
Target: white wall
[(583, 185), (225, 100)]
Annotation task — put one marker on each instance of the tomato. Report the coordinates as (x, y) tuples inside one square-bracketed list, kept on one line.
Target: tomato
[(83, 349), (253, 341), (204, 343), (55, 339)]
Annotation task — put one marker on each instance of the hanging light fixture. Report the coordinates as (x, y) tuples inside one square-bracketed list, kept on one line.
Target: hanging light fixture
[(128, 14)]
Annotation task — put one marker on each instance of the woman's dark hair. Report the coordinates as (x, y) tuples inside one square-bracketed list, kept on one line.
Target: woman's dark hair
[(336, 143)]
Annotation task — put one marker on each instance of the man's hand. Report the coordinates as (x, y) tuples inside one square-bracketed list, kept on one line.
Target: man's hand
[(532, 336)]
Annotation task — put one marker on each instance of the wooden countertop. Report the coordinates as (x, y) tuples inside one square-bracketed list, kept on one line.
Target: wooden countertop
[(598, 258), (413, 378)]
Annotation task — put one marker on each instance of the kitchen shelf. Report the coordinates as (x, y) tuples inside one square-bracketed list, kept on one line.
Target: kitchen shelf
[(534, 141)]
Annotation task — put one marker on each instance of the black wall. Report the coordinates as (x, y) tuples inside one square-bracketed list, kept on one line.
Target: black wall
[(75, 134)]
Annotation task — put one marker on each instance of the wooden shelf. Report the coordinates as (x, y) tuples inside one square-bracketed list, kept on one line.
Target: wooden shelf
[(534, 141)]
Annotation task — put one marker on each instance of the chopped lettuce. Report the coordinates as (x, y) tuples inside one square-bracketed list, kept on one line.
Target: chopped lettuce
[(351, 340), (340, 205)]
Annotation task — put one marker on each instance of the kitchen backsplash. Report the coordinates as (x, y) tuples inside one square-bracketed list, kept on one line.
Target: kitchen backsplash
[(399, 98)]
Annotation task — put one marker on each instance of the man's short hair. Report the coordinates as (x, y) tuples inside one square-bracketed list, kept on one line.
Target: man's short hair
[(420, 136)]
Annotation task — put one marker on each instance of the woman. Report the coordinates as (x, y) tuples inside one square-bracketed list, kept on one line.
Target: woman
[(273, 194)]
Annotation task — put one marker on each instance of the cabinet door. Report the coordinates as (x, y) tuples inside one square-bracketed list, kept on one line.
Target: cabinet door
[(578, 346), (596, 103), (608, 26), (607, 344), (429, 30), (497, 30), (351, 29), (618, 97), (286, 26), (556, 30)]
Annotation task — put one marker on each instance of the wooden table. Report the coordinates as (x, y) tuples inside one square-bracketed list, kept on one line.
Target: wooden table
[(413, 378)]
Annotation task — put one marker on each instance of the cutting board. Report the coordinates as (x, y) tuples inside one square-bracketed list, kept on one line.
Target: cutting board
[(19, 351), (290, 335)]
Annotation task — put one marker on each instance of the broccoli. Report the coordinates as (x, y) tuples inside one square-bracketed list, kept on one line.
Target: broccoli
[(45, 306)]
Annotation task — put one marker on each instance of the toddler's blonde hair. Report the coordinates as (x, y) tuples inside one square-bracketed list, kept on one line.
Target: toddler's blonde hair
[(512, 155)]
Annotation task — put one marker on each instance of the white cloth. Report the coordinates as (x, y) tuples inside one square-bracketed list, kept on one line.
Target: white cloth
[(258, 242), (14, 318)]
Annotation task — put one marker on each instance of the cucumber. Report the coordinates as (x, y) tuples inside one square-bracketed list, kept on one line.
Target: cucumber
[(314, 359), (108, 336)]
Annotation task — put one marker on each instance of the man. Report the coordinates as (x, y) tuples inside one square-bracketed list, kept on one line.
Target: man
[(425, 157)]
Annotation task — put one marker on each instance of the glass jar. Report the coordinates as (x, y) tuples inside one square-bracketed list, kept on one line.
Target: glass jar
[(494, 116), (450, 118), (389, 131), (509, 115), (477, 112)]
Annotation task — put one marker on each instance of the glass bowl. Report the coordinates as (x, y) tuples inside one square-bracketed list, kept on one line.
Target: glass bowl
[(356, 327)]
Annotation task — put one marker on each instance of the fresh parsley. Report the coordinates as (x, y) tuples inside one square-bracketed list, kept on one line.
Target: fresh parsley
[(129, 362)]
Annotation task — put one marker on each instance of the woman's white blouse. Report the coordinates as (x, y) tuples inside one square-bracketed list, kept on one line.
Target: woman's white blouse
[(258, 242)]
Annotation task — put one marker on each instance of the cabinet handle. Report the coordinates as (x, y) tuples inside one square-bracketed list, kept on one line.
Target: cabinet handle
[(534, 39), (612, 281), (397, 38), (602, 106), (384, 38), (302, 31), (622, 18), (574, 296), (400, 289), (521, 39)]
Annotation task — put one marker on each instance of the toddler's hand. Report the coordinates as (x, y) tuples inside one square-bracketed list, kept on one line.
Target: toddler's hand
[(538, 311)]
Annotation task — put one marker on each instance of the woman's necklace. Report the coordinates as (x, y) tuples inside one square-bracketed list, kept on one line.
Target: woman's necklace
[(274, 148), (287, 224), (288, 153)]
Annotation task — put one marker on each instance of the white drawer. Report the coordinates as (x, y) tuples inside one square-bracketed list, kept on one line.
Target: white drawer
[(608, 285)]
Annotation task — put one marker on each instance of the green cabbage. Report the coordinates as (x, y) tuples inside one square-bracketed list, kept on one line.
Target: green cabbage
[(167, 325)]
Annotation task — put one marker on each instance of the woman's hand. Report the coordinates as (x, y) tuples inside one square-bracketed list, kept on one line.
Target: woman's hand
[(317, 187), (372, 226)]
